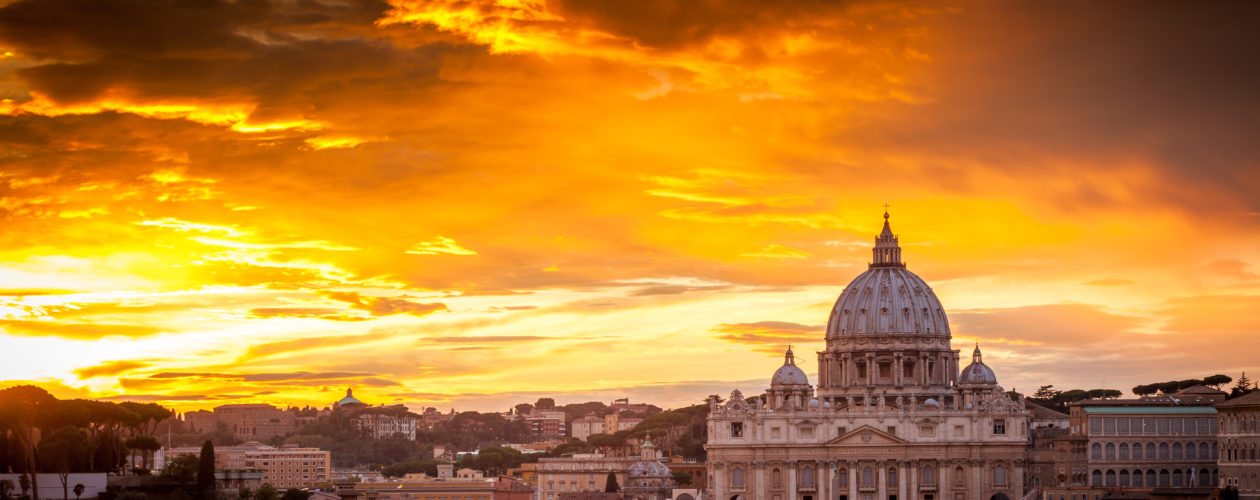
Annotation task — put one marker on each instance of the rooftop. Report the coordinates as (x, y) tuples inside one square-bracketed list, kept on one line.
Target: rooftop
[(1134, 410), (1250, 399)]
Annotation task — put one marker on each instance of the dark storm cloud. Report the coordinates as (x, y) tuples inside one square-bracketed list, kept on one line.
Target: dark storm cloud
[(275, 55), (676, 25), (1165, 91)]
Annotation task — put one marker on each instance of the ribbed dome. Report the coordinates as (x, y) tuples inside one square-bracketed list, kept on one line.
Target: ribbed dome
[(789, 373), (887, 299), (977, 372)]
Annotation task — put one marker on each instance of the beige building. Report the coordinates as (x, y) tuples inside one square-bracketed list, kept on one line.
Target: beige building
[(893, 417), (1239, 438), (285, 467), (582, 428), (579, 473), (246, 421)]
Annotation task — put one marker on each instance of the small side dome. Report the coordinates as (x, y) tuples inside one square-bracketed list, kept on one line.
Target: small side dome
[(349, 400), (789, 373), (813, 402), (931, 402), (977, 373)]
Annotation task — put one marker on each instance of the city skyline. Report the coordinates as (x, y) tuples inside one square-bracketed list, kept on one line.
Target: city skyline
[(476, 204)]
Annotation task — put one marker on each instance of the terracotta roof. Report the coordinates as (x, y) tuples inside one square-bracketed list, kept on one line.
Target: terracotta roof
[(1200, 389), (1039, 411), (1250, 399)]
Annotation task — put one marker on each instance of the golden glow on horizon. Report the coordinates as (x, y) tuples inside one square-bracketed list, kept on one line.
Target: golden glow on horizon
[(476, 203)]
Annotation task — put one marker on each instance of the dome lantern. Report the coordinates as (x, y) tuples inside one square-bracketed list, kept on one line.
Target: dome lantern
[(887, 251)]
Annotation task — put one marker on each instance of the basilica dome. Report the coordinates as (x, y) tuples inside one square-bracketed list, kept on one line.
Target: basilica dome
[(977, 372), (887, 298), (789, 373)]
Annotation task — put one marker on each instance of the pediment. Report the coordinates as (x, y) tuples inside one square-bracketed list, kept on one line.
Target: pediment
[(866, 436)]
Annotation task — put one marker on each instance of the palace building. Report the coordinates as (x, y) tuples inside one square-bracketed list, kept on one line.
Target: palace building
[(893, 417)]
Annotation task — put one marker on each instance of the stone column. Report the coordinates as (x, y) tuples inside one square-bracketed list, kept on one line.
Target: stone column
[(759, 490), (942, 482), (825, 492), (853, 480), (719, 482), (914, 480), (790, 469), (881, 482), (901, 480), (870, 368), (978, 484)]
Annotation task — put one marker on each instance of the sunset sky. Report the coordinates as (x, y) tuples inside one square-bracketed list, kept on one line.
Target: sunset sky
[(474, 203)]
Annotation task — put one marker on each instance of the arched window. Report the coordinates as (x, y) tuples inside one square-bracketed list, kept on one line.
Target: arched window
[(1124, 451), (1178, 478), (1150, 450), (1096, 478), (1111, 478), (1111, 451), (1205, 477), (1192, 451), (868, 477), (1124, 478), (807, 476), (1164, 477), (999, 476), (844, 478), (776, 478), (1137, 478), (1095, 450), (1203, 450), (1176, 450), (1163, 450), (929, 475), (737, 478), (1150, 478), (892, 476), (1137, 450)]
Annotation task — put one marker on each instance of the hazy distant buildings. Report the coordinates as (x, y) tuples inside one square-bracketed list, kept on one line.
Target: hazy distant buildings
[(546, 422), (284, 467), (1239, 439), (245, 421), (582, 428), (465, 484)]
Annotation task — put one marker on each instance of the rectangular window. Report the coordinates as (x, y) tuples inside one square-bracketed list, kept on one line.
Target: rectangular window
[(807, 432), (958, 430), (1122, 426), (927, 430), (840, 431), (999, 426), (737, 429), (892, 430), (774, 433), (1109, 426), (1095, 425)]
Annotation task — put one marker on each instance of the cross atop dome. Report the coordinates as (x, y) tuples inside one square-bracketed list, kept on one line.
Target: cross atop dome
[(887, 251)]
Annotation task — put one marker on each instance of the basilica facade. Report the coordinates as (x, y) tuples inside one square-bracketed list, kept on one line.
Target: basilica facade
[(892, 416)]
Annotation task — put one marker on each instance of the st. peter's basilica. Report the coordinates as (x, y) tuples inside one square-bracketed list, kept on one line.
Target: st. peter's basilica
[(892, 417)]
